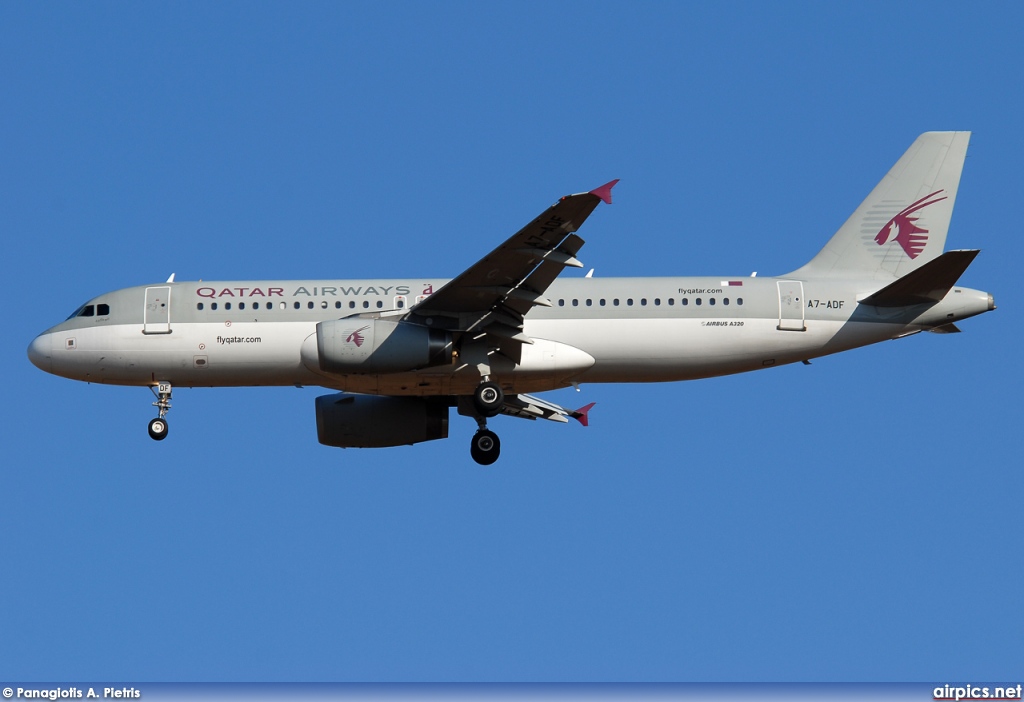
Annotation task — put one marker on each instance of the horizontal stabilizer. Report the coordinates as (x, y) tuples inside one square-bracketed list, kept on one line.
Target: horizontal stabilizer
[(924, 285)]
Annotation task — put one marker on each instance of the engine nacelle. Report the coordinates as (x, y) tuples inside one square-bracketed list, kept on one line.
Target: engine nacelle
[(359, 345), (370, 421)]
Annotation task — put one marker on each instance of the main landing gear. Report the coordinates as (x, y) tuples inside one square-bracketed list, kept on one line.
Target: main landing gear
[(158, 426), (488, 399)]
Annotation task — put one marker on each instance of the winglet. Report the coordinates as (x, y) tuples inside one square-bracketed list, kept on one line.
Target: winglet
[(580, 415), (605, 191)]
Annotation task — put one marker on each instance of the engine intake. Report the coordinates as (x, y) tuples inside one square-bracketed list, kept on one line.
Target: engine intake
[(369, 421), (359, 345)]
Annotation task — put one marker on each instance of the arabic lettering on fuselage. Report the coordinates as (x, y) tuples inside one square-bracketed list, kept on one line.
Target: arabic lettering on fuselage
[(312, 291)]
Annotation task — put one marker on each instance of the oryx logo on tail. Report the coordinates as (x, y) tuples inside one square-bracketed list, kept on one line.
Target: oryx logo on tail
[(902, 229), (355, 337)]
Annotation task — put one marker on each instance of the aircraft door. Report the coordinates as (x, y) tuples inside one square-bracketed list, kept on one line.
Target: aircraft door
[(791, 305), (156, 317)]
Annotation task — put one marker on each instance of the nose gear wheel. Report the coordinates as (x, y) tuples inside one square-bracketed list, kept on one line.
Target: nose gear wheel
[(158, 429)]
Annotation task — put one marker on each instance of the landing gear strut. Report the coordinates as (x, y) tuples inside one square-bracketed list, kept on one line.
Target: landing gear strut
[(158, 426)]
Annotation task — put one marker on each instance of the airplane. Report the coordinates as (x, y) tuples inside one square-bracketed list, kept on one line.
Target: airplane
[(401, 353)]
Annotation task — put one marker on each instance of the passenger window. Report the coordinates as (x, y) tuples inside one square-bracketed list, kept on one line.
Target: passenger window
[(103, 310), (199, 306), (671, 301), (643, 301), (283, 306), (401, 304), (711, 301), (739, 300), (296, 304), (601, 302), (337, 305), (657, 302), (629, 301), (227, 305), (213, 306), (575, 303), (589, 302), (561, 303), (309, 305), (685, 301), (241, 305), (380, 304), (725, 301), (323, 304), (366, 304), (615, 302), (697, 301), (351, 304)]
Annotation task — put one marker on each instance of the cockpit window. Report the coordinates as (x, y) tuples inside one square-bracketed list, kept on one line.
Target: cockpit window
[(100, 310)]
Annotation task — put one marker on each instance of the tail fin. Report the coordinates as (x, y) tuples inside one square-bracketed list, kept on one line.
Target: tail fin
[(902, 224)]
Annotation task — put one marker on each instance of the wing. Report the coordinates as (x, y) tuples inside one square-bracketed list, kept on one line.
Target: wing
[(530, 407), (492, 297)]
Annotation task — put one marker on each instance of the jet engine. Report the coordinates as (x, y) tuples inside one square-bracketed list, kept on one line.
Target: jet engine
[(360, 345), (369, 421)]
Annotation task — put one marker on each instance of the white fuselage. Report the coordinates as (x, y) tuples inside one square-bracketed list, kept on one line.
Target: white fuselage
[(596, 331)]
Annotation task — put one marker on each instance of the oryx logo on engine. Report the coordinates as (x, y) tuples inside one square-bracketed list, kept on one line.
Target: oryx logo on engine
[(355, 337)]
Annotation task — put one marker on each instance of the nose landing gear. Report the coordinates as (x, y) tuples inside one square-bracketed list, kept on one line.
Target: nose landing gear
[(158, 426)]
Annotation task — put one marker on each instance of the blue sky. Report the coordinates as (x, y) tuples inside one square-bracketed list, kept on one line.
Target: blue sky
[(858, 519)]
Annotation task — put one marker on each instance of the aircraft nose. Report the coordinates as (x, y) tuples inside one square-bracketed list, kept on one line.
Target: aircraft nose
[(40, 352)]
